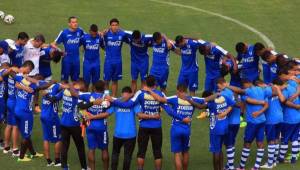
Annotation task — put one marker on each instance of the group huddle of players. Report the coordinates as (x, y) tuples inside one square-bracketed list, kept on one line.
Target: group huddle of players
[(271, 106)]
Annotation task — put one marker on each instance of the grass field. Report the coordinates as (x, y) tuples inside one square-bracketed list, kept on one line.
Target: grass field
[(277, 19)]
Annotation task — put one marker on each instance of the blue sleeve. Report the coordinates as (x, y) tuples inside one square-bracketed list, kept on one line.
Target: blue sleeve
[(82, 41), (18, 78), (84, 96), (268, 92), (33, 86), (111, 110), (198, 100), (285, 93), (172, 100), (137, 109), (60, 38), (230, 101), (127, 104), (171, 112), (59, 95)]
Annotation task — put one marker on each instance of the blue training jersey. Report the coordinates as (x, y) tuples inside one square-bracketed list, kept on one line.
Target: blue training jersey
[(219, 126), (182, 108), (113, 46), (160, 58), (91, 46), (71, 42), (257, 93), (125, 124), (95, 124), (189, 60), (50, 109), (17, 56), (290, 115), (45, 62), (3, 85), (274, 113), (11, 88), (249, 62), (234, 115), (213, 61)]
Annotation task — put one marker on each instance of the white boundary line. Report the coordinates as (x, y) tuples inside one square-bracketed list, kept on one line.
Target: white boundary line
[(260, 34)]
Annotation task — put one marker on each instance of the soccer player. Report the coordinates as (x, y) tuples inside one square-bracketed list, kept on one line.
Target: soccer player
[(139, 44), (51, 124), (233, 121), (70, 123), (249, 59), (183, 107), (96, 131), (291, 117), (113, 41), (4, 52), (256, 104), (48, 54), (70, 37), (160, 59), (189, 65), (23, 111), (150, 123), (17, 56), (125, 130), (213, 55), (92, 43)]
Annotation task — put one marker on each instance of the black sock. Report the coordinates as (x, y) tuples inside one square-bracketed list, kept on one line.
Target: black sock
[(49, 161)]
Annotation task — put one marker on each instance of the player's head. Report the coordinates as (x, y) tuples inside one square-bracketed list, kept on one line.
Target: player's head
[(22, 38), (126, 93), (56, 55), (179, 40), (281, 60), (259, 48), (292, 66), (260, 83), (207, 93), (283, 74), (150, 81), (268, 56), (278, 82), (79, 84), (181, 90), (38, 40), (205, 49), (221, 83), (3, 47), (114, 24), (157, 37), (94, 30), (136, 36), (73, 22), (241, 48), (246, 83), (27, 67), (99, 86)]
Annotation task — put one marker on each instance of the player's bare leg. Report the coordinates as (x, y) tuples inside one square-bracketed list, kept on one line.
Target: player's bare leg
[(134, 85), (158, 164), (140, 163), (143, 83), (47, 151), (7, 136), (164, 90), (221, 163), (185, 160), (15, 137), (107, 85), (105, 159), (178, 161), (91, 159), (216, 160), (114, 88), (57, 151)]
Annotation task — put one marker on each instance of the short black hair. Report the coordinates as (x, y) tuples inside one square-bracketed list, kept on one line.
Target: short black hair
[(114, 20), (239, 47), (291, 64), (23, 36), (266, 55), (94, 28), (202, 48), (258, 81), (136, 34), (207, 93), (57, 56), (40, 37), (126, 89), (221, 80), (71, 17), (258, 47), (99, 86), (281, 60), (278, 81), (156, 36), (178, 39), (282, 71), (150, 81), (28, 63), (182, 87)]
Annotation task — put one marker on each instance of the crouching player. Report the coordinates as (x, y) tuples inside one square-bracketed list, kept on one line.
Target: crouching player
[(96, 131), (51, 124)]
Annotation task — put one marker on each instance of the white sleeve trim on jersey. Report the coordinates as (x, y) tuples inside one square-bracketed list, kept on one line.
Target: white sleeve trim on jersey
[(148, 35), (275, 53), (198, 98), (222, 50), (128, 32), (58, 36), (136, 95), (171, 97), (201, 41)]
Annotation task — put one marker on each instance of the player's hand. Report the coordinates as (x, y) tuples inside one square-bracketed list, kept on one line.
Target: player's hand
[(108, 98), (30, 90), (255, 114), (147, 89), (155, 116), (221, 115), (187, 120), (98, 101)]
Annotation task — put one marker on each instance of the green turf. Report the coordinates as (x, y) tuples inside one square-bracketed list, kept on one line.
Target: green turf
[(278, 19)]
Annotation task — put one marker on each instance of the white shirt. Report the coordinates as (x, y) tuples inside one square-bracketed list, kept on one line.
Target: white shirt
[(4, 58), (33, 54)]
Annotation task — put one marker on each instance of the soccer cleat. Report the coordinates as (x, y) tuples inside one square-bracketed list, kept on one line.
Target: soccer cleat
[(25, 159), (6, 151), (37, 109), (50, 164), (57, 164), (243, 124), (36, 155), (266, 166), (274, 164), (288, 157), (202, 115)]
